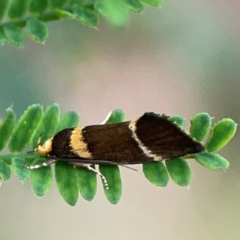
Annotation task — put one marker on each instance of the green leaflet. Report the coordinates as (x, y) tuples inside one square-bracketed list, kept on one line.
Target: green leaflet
[(66, 180), (222, 132), (212, 161), (86, 16), (37, 7), (19, 169), (37, 30), (41, 178), (180, 121), (14, 34), (3, 7), (25, 128), (112, 175), (5, 171), (6, 127), (57, 3), (45, 128), (179, 171), (156, 173), (87, 183), (133, 5), (17, 9), (113, 11), (200, 126), (3, 39), (77, 3), (68, 120), (114, 116), (65, 14), (155, 3)]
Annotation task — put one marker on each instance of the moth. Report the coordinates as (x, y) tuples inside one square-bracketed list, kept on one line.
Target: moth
[(150, 138)]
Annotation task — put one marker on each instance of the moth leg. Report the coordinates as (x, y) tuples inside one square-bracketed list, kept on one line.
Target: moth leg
[(89, 167), (43, 164)]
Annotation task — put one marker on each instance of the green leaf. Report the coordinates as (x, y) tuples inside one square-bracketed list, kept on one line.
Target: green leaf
[(222, 133), (211, 161), (45, 128), (156, 173), (87, 183), (3, 39), (66, 179), (180, 121), (112, 175), (133, 5), (200, 126), (155, 3), (57, 3), (6, 127), (5, 171), (41, 178), (114, 116), (86, 16), (37, 30), (37, 7), (3, 7), (25, 127), (179, 171), (14, 34), (65, 14), (68, 120), (19, 169), (17, 9), (113, 11), (77, 3)]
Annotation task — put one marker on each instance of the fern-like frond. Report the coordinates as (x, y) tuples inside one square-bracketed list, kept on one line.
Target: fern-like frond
[(35, 122), (34, 15)]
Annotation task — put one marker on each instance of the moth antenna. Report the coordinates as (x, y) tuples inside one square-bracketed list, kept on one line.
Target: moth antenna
[(122, 165), (75, 161), (32, 151), (39, 140), (38, 143)]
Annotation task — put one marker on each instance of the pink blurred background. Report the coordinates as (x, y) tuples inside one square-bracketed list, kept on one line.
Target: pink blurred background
[(180, 60)]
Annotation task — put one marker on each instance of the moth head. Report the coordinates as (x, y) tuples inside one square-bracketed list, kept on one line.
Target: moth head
[(44, 149)]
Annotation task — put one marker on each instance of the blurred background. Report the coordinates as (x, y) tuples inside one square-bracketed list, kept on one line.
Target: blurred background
[(180, 60)]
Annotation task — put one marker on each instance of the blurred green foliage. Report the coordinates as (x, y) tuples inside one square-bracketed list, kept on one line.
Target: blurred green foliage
[(36, 14)]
